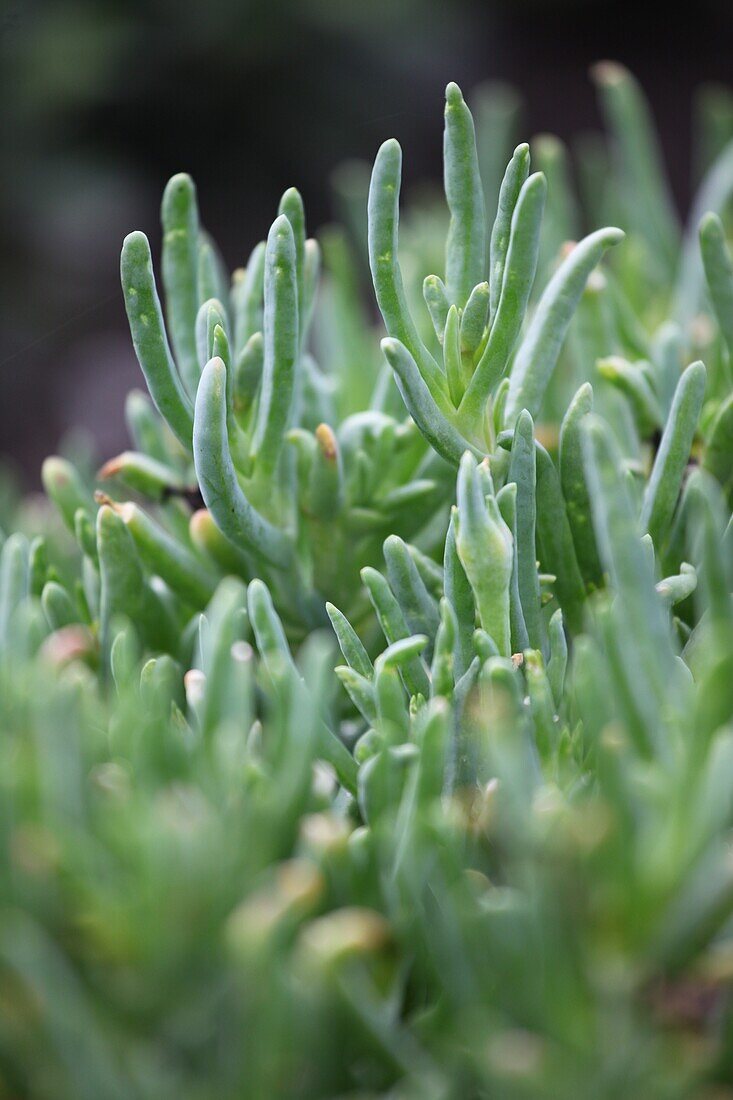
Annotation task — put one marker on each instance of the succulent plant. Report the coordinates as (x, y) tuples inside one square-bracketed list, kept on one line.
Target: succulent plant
[(498, 862)]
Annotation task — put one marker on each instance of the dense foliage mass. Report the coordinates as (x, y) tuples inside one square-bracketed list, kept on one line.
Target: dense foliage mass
[(491, 855)]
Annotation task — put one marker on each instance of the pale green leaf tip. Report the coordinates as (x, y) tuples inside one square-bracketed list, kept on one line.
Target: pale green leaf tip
[(179, 181), (711, 225), (390, 147), (52, 466), (291, 194), (135, 241), (179, 192), (608, 367), (453, 95), (281, 227), (549, 146), (215, 370), (106, 517), (608, 73), (697, 369)]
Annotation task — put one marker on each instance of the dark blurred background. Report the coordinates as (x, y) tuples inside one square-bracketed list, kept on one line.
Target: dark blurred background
[(102, 101)]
